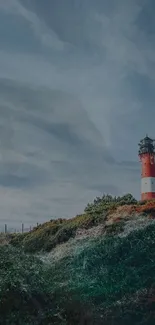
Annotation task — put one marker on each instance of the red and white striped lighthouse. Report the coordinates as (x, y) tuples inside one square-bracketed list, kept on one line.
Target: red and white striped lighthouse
[(147, 158)]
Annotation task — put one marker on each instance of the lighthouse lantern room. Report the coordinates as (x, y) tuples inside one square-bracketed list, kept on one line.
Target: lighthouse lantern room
[(147, 158)]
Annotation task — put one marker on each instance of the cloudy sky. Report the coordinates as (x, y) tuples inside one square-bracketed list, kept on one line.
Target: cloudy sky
[(77, 93)]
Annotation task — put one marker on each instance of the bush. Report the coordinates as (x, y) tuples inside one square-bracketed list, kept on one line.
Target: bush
[(24, 292), (115, 228), (35, 240), (45, 237), (113, 275), (111, 280), (108, 202), (27, 296), (17, 239), (63, 235), (50, 234)]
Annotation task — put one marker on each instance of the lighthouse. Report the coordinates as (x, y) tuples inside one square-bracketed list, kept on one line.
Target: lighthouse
[(147, 159)]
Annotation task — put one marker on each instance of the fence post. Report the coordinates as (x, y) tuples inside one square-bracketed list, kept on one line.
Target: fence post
[(5, 229)]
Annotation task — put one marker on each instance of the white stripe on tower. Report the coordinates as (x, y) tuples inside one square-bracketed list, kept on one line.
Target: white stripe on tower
[(148, 185)]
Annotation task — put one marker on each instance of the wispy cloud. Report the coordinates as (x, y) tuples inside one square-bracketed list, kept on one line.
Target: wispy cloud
[(73, 106), (41, 31)]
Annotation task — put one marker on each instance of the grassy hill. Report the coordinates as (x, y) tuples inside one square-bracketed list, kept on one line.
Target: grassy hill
[(97, 268), (108, 212)]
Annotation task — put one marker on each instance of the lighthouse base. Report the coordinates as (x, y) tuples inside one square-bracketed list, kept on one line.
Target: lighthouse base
[(147, 196)]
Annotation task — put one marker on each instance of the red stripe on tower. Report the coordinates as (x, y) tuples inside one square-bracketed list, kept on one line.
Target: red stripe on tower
[(147, 158)]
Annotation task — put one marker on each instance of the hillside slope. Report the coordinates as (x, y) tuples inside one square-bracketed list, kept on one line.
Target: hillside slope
[(106, 215), (100, 269), (88, 280), (113, 277)]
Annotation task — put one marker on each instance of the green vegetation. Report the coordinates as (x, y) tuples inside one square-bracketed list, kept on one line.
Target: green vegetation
[(113, 277), (115, 228), (110, 281), (23, 288), (107, 280), (45, 237), (108, 202)]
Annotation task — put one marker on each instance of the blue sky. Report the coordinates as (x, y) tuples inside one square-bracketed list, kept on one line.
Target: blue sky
[(77, 81)]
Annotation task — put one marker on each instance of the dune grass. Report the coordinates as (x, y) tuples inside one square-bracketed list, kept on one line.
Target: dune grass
[(107, 282), (47, 236), (111, 271)]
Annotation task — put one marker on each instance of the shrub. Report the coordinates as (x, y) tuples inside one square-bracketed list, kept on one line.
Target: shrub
[(111, 280), (24, 292), (45, 237), (108, 202), (17, 239), (62, 235), (115, 228), (113, 275)]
